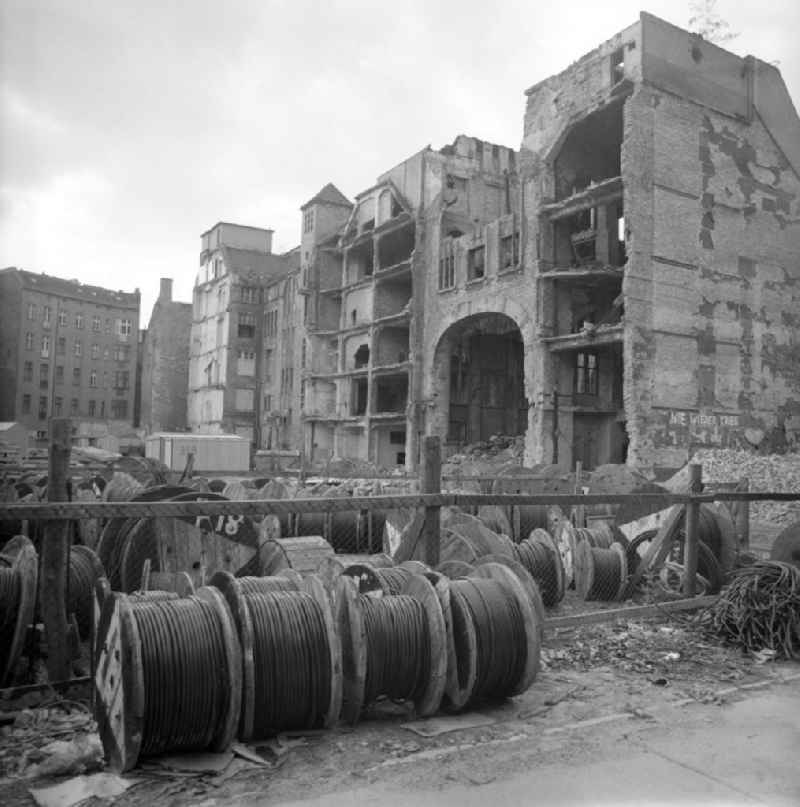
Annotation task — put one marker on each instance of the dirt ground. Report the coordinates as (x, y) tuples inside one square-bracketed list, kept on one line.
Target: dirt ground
[(596, 684)]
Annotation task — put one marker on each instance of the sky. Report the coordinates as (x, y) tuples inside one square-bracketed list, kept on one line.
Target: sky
[(129, 128)]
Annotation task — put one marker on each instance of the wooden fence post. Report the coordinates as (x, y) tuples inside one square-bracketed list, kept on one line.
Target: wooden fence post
[(55, 556), (692, 529), (432, 483)]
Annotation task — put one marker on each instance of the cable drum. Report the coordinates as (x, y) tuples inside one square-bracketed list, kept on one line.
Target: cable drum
[(392, 646), (291, 658), (167, 675), (84, 569), (540, 557), (18, 581), (600, 574)]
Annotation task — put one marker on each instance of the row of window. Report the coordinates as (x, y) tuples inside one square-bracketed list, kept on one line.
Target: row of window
[(119, 408), (476, 260), (121, 377), (124, 326), (121, 352)]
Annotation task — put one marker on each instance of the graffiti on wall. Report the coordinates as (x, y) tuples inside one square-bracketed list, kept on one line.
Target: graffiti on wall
[(687, 426)]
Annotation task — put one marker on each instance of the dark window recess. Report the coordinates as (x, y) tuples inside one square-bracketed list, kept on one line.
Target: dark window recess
[(397, 438), (362, 356), (358, 402), (400, 458), (391, 394), (586, 374), (246, 326), (447, 265), (476, 259)]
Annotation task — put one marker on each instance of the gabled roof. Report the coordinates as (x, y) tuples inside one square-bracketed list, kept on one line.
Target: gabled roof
[(329, 195)]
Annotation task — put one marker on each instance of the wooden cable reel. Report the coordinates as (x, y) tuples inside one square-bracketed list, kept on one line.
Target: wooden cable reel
[(463, 642), (239, 593), (351, 619), (129, 662), (19, 568), (594, 581)]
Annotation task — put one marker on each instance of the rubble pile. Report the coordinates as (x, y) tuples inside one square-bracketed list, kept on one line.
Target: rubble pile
[(771, 472), (497, 451)]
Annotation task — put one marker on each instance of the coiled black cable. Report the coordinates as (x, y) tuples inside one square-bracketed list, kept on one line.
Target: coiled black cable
[(84, 569), (9, 606), (502, 646), (398, 648), (186, 679), (393, 578), (291, 659), (540, 561), (265, 585), (607, 578)]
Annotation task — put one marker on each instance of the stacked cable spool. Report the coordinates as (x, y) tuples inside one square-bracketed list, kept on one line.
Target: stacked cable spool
[(494, 640), (290, 653), (540, 557), (393, 645), (167, 674), (18, 580)]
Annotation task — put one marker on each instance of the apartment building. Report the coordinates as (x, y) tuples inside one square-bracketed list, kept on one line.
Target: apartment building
[(67, 349)]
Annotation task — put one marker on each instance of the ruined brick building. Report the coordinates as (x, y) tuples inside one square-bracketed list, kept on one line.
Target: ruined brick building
[(625, 287), (234, 371)]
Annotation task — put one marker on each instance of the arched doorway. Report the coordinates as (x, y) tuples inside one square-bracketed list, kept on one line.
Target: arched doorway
[(479, 371)]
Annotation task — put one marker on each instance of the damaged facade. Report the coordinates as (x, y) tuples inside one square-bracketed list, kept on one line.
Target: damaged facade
[(373, 308), (662, 235), (624, 288)]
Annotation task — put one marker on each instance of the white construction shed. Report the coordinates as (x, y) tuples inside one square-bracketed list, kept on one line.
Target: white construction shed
[(212, 452)]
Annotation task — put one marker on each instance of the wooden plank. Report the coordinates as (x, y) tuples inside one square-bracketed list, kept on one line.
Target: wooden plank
[(55, 556), (659, 547), (692, 531), (431, 482), (633, 612)]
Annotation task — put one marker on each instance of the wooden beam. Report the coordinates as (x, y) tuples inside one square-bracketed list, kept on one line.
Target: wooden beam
[(55, 556), (692, 527), (432, 483), (632, 612)]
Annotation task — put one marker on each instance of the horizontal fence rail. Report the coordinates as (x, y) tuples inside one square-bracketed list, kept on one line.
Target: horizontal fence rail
[(255, 507)]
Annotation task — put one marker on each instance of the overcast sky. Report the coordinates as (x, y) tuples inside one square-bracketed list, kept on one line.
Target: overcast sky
[(128, 128)]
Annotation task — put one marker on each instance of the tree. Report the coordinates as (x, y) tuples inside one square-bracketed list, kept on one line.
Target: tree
[(706, 21)]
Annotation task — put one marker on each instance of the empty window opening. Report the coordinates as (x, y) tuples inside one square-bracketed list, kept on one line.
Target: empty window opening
[(393, 295), (447, 265), (617, 65), (360, 261), (391, 394), (591, 151), (361, 358), (476, 263), (353, 316), (586, 374), (246, 327), (392, 346), (396, 246), (397, 438), (358, 396), (509, 251), (400, 458)]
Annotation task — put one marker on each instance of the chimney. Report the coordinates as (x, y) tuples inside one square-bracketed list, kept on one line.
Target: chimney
[(165, 293)]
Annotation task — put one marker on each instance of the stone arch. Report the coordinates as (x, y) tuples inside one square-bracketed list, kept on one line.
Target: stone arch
[(478, 376)]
